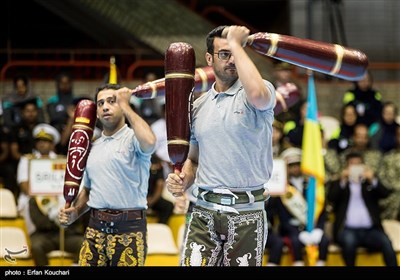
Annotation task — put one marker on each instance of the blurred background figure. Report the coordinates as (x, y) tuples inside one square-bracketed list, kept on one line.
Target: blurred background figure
[(342, 137), (365, 99), (383, 131), (21, 140), (357, 222), (278, 142), (292, 208), (360, 143), (57, 105), (149, 108), (293, 129), (286, 84), (11, 102), (389, 175)]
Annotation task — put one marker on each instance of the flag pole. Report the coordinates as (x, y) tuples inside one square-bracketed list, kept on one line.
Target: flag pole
[(310, 147)]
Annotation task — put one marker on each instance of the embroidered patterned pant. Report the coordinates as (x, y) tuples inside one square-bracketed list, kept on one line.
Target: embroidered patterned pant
[(224, 239), (128, 247)]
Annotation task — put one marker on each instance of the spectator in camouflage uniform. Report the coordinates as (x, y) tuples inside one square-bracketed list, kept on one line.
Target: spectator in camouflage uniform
[(361, 144), (389, 174)]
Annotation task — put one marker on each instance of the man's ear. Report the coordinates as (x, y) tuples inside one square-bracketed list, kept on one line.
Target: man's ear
[(209, 59)]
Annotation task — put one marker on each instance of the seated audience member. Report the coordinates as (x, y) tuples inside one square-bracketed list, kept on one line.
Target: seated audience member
[(361, 145), (366, 100), (357, 223), (20, 94), (389, 175), (383, 132), (291, 209), (58, 104), (274, 241), (21, 138), (278, 142), (293, 129), (341, 139)]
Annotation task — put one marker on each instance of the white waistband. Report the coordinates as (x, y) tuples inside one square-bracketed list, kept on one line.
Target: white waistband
[(235, 208)]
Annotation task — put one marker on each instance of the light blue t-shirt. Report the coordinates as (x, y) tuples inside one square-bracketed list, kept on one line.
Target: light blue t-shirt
[(117, 172), (234, 139)]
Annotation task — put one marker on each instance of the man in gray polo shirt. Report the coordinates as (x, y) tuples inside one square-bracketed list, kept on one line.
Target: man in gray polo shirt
[(115, 185), (230, 159)]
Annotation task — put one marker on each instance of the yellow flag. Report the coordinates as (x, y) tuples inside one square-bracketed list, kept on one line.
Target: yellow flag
[(113, 71), (312, 161), (312, 164)]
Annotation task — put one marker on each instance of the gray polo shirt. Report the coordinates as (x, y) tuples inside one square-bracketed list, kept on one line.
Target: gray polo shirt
[(117, 172), (234, 139)]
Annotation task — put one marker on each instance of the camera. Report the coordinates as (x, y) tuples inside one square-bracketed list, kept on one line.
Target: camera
[(356, 173)]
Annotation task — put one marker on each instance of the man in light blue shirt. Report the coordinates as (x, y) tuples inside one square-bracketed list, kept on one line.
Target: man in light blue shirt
[(230, 158), (115, 185)]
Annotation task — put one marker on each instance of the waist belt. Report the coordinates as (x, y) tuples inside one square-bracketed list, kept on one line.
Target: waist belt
[(115, 216), (231, 198)]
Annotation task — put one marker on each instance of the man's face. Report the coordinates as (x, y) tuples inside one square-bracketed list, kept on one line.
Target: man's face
[(294, 169), (283, 75), (65, 85), (21, 87), (224, 62), (44, 146), (30, 113), (360, 137), (354, 161), (108, 110)]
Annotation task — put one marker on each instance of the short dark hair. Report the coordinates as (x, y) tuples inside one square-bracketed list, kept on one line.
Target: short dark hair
[(22, 77), (106, 86), (351, 155), (216, 32), (62, 75)]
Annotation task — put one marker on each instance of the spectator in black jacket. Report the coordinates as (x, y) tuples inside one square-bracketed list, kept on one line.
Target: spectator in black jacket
[(366, 99), (357, 222)]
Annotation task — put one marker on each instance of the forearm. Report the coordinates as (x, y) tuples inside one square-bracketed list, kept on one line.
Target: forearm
[(258, 94), (189, 168), (143, 132), (80, 203), (24, 187)]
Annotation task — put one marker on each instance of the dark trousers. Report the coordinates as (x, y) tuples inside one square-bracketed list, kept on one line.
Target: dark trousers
[(45, 242), (373, 239), (164, 209), (275, 246), (297, 247), (121, 243)]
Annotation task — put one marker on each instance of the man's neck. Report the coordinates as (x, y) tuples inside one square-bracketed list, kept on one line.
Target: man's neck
[(109, 132)]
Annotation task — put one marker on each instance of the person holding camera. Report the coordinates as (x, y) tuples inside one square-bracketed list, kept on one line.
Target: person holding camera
[(355, 198)]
